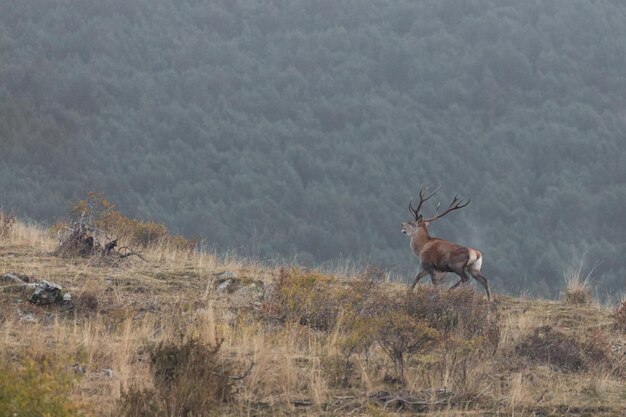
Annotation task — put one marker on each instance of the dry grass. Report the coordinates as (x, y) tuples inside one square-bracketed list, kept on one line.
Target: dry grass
[(298, 369), (578, 285)]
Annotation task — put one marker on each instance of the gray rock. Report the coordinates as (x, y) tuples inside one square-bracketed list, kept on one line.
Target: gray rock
[(225, 286), (20, 280), (12, 278), (43, 293), (79, 369), (226, 282), (251, 295), (46, 293), (224, 275), (27, 318)]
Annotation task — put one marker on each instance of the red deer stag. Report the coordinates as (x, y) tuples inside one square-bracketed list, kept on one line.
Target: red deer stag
[(438, 255)]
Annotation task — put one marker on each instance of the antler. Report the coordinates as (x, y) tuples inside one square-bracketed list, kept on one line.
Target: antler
[(423, 190), (456, 204)]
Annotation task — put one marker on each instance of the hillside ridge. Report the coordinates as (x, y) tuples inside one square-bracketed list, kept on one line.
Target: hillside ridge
[(289, 367)]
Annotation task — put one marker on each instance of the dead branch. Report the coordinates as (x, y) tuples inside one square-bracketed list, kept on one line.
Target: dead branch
[(237, 377), (83, 239), (412, 402)]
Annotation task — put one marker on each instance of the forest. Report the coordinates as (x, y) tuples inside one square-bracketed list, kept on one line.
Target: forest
[(299, 129)]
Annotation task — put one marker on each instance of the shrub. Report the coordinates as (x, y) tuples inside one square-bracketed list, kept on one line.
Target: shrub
[(356, 337), (619, 315), (362, 313), (103, 215), (316, 300), (190, 379), (565, 353), (6, 224), (461, 313), (359, 301), (36, 388), (86, 303), (400, 336), (302, 297)]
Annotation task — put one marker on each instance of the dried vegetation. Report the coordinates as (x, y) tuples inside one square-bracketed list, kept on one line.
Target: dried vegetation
[(98, 231), (158, 338)]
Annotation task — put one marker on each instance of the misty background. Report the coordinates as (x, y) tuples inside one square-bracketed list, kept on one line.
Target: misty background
[(300, 128)]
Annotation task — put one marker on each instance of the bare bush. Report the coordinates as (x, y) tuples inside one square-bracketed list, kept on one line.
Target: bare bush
[(549, 346), (86, 303), (461, 313), (400, 336), (362, 313), (103, 214), (302, 297), (190, 379), (6, 224), (619, 315), (86, 235)]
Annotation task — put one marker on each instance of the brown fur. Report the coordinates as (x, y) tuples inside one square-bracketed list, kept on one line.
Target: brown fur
[(438, 255)]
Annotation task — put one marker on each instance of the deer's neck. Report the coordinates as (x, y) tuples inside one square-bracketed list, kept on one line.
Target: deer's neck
[(419, 239)]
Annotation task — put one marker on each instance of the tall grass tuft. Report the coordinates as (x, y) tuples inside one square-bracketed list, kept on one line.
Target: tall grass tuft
[(577, 285)]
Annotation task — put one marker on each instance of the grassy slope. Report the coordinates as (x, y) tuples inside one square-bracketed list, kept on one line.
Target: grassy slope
[(173, 293)]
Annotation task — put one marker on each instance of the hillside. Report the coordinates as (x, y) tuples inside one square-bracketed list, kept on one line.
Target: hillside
[(299, 129), (289, 342)]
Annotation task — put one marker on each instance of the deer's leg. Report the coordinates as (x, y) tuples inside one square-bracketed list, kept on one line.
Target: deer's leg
[(437, 278), (480, 278), (464, 278), (419, 276)]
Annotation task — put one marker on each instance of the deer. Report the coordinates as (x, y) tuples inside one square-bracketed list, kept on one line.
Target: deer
[(438, 255)]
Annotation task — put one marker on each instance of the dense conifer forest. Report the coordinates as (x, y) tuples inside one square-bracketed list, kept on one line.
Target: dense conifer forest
[(299, 129)]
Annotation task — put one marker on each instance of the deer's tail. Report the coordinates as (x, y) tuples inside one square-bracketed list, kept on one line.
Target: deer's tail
[(475, 260)]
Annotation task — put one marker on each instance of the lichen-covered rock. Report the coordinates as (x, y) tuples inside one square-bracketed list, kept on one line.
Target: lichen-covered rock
[(43, 293), (226, 282), (19, 279), (46, 293), (13, 282), (225, 286)]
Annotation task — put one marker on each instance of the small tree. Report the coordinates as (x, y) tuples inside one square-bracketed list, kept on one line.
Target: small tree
[(400, 336)]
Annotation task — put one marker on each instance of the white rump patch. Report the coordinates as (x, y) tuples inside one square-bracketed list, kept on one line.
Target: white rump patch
[(475, 261)]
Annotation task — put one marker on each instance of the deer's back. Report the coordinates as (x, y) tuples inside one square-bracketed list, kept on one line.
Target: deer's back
[(444, 256)]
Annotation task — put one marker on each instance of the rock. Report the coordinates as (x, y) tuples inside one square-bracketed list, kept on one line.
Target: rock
[(226, 282), (18, 279), (16, 283), (253, 294), (225, 286), (248, 296), (67, 301), (43, 293), (27, 318), (79, 369), (224, 275), (46, 293)]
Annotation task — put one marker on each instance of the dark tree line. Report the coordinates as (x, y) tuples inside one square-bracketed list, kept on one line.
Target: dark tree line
[(300, 128)]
